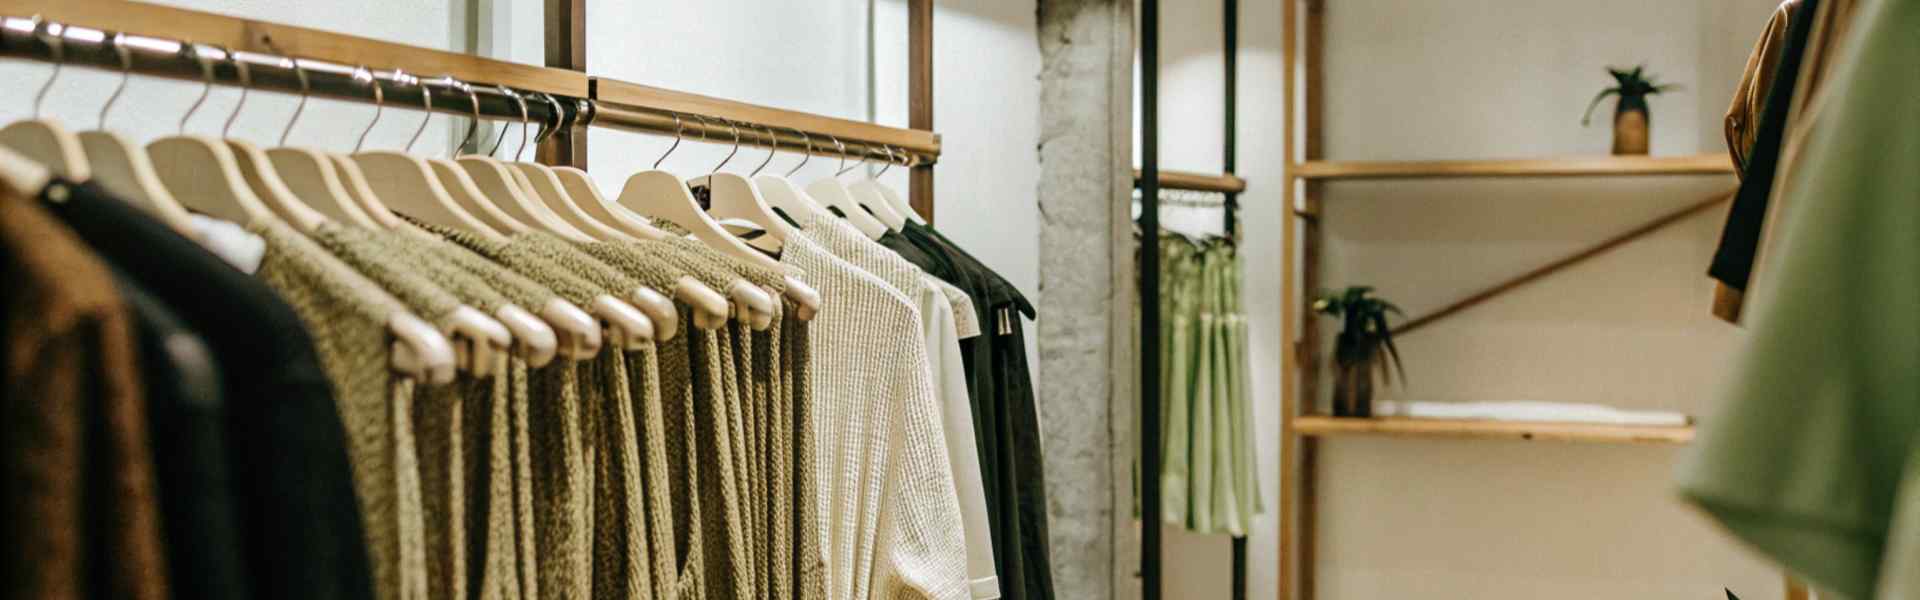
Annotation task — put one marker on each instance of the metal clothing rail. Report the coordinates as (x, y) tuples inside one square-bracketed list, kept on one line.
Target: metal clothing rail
[(177, 43), (99, 43), (636, 107)]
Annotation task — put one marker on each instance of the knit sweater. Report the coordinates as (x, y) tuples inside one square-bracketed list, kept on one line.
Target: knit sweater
[(348, 314), (940, 332), (891, 520), (429, 284)]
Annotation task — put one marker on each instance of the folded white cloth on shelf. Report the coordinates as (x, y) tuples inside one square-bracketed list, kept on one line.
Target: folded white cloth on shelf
[(1531, 411)]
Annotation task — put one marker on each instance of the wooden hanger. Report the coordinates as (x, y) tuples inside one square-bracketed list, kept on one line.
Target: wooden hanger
[(893, 199), (866, 193), (204, 174), (704, 300), (408, 183), (310, 175), (832, 193), (778, 190), (502, 184), (41, 139), (22, 175), (735, 196), (258, 169), (659, 194), (123, 168), (553, 193)]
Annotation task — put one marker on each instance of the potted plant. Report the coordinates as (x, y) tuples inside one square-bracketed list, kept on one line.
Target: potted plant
[(1365, 344), (1630, 120)]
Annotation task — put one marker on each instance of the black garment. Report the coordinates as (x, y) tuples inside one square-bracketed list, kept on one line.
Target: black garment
[(1006, 424), (185, 431), (1740, 239), (297, 514)]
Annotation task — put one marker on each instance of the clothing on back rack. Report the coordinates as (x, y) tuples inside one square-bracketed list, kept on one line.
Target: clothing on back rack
[(297, 407)]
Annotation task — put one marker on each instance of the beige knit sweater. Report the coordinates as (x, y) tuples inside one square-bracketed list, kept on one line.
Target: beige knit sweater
[(347, 315), (940, 330), (890, 518)]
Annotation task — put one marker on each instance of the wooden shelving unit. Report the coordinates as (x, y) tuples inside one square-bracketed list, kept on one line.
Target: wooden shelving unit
[(1595, 166), (1304, 192), (1323, 426)]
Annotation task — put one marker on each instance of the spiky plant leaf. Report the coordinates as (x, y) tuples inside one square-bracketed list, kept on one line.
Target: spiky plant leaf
[(1587, 118)]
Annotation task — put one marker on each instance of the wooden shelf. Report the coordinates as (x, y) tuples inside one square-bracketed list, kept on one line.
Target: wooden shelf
[(1597, 166), (1199, 182), (1479, 429)]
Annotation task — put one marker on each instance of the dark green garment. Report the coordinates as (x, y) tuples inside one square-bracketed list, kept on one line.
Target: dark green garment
[(1812, 456)]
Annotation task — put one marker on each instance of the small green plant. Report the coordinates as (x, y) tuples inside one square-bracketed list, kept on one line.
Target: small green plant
[(1365, 344), (1633, 87)]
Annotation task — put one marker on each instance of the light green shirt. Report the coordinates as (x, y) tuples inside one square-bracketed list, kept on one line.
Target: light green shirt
[(1808, 456)]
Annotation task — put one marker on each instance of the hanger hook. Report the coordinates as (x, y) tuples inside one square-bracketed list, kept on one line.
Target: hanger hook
[(379, 103), (473, 125), (736, 145), (773, 147), (678, 130), (306, 88), (805, 155), (864, 156), (246, 84), (426, 101), (883, 170), (498, 140), (57, 47), (206, 76), (841, 149), (518, 99), (559, 119), (126, 72)]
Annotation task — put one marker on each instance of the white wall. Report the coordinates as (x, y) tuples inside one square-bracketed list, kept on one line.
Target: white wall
[(1407, 79), (151, 108)]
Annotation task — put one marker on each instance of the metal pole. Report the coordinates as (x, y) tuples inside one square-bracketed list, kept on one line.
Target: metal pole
[(173, 59), (1230, 25), (1149, 257)]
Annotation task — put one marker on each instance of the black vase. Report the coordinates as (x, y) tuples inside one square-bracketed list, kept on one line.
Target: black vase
[(1353, 375)]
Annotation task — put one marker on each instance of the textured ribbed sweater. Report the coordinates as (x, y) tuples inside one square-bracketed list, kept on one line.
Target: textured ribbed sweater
[(348, 316), (892, 518)]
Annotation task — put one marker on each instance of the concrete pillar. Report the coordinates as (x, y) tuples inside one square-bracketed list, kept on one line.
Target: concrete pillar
[(1087, 295)]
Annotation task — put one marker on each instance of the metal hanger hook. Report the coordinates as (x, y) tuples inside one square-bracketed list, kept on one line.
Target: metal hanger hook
[(126, 72), (736, 146), (559, 119), (498, 140), (306, 88), (518, 99), (805, 155), (864, 157), (246, 84), (773, 147), (679, 129), (473, 125), (841, 149), (426, 101), (379, 103), (206, 77), (890, 157), (56, 44)]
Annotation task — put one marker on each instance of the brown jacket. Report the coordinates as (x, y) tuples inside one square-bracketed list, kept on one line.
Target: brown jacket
[(78, 504)]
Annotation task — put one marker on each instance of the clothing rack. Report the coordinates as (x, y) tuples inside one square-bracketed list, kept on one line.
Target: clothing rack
[(1149, 179), (177, 43)]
